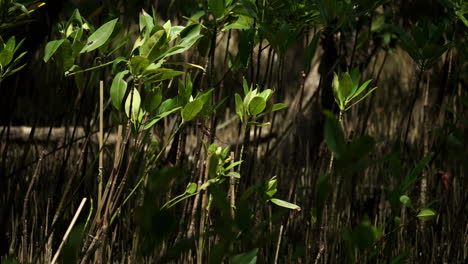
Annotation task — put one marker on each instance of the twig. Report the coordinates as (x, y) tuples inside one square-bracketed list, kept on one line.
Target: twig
[(25, 208), (70, 227)]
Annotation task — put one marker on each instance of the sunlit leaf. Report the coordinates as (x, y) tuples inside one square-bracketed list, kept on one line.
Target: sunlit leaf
[(406, 201), (256, 105), (51, 48), (426, 214), (118, 89), (192, 109), (99, 37), (285, 204), (133, 100)]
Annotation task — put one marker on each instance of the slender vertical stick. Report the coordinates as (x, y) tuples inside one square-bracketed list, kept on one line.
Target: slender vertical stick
[(426, 127), (70, 227), (232, 189), (101, 131), (25, 209), (278, 245)]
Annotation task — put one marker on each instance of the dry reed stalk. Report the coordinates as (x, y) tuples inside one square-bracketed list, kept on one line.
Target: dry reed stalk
[(70, 227)]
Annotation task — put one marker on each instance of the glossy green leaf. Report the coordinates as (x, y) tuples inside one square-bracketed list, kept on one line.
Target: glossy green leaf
[(239, 107), (145, 21), (133, 100), (361, 89), (118, 89), (245, 86), (100, 36), (5, 57), (191, 110), (249, 257), (138, 64), (160, 116), (426, 214), (362, 98), (256, 105), (191, 188), (406, 201), (162, 75), (285, 204), (233, 174), (153, 99), (346, 85), (250, 6), (277, 107), (51, 48), (336, 91), (153, 47), (266, 94), (271, 187), (216, 7)]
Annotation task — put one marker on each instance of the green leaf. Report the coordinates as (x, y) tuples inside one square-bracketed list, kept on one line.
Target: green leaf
[(134, 100), (406, 201), (249, 257), (145, 21), (277, 107), (99, 37), (160, 116), (233, 174), (266, 94), (189, 36), (336, 91), (51, 48), (118, 89), (138, 64), (152, 48), (346, 86), (426, 214), (153, 99), (162, 74), (285, 204), (191, 110), (242, 23), (251, 8), (360, 90), (216, 7), (334, 135), (256, 105), (271, 187), (5, 57), (239, 107), (362, 98), (191, 188), (245, 86), (234, 164)]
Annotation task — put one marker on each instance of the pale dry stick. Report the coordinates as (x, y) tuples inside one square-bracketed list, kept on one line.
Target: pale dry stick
[(25, 209), (232, 188), (278, 245), (70, 227), (322, 248), (426, 128), (101, 131)]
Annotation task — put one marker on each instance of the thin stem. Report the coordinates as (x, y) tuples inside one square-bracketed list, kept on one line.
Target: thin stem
[(89, 69)]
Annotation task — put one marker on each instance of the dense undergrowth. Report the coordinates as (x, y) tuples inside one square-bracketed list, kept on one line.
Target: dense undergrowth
[(233, 131)]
